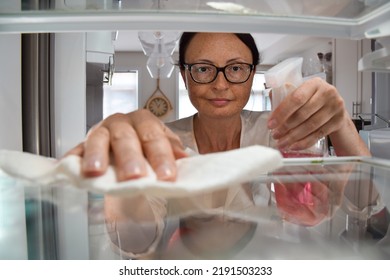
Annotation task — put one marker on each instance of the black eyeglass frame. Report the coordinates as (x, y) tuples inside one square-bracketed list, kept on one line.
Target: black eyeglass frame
[(188, 66)]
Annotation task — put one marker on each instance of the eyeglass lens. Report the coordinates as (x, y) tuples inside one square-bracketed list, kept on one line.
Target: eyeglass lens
[(234, 73)]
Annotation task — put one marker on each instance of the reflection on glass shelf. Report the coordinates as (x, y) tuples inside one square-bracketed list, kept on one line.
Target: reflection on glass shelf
[(13, 234), (300, 211)]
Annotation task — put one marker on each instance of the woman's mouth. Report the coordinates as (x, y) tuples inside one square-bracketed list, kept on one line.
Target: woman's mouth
[(219, 102)]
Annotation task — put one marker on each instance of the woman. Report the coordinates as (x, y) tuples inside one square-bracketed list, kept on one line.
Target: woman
[(312, 111), (218, 71)]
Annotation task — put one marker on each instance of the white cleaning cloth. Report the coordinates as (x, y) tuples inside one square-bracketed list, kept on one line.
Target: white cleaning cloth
[(195, 173)]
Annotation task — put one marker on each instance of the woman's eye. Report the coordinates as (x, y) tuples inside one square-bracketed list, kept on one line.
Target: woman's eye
[(203, 69)]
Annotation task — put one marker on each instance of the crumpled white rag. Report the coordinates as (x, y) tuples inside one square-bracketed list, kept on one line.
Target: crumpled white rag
[(195, 173)]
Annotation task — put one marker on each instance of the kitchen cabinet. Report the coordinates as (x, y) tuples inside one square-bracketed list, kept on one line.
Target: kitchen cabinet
[(100, 47)]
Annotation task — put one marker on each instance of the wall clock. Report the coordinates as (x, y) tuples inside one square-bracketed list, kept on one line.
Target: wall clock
[(158, 103), (158, 106)]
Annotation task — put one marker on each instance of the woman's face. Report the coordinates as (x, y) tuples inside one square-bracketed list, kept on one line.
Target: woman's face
[(219, 98)]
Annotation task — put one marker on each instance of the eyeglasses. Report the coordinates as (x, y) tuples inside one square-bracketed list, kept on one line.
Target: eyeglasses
[(204, 73)]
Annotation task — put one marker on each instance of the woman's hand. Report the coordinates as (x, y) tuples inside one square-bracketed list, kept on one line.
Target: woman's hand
[(303, 203), (133, 139), (312, 111), (314, 195)]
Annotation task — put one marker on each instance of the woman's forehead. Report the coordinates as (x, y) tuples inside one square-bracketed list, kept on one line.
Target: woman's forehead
[(209, 46)]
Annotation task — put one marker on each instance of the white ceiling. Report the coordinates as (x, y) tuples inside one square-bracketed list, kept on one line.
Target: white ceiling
[(273, 47)]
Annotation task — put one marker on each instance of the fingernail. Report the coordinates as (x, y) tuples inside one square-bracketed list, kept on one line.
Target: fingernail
[(92, 163), (132, 169), (282, 144), (272, 123), (165, 171), (275, 133), (295, 147)]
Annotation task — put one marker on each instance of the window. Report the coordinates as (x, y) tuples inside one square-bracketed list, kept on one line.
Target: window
[(122, 95), (258, 100), (185, 106)]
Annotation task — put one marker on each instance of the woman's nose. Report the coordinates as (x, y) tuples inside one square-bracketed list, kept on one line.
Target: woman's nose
[(221, 82)]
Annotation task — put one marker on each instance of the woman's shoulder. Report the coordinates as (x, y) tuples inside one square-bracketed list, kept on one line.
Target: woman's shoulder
[(184, 129), (184, 124), (254, 116), (254, 128)]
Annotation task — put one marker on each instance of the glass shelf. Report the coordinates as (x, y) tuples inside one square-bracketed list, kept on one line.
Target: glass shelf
[(336, 208), (347, 9), (347, 19)]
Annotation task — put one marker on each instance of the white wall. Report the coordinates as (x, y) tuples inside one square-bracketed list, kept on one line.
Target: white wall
[(10, 93), (353, 85), (137, 61)]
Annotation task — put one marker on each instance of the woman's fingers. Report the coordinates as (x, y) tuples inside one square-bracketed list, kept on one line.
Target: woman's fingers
[(139, 138), (131, 140), (96, 152), (126, 151), (176, 144), (311, 112), (155, 144), (296, 107)]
